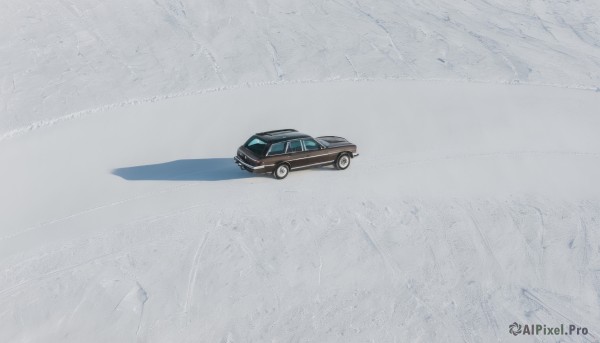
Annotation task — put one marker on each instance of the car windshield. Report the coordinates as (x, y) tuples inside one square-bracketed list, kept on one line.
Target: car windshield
[(256, 145)]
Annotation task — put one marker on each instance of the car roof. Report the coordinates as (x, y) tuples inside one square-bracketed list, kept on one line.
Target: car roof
[(276, 136)]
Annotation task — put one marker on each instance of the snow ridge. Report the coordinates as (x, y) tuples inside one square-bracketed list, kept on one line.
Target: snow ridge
[(50, 122), (68, 57)]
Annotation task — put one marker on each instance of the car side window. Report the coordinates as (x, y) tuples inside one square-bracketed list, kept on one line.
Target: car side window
[(294, 146), (277, 149), (311, 144)]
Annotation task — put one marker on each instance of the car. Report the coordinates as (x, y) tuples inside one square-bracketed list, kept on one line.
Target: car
[(281, 151)]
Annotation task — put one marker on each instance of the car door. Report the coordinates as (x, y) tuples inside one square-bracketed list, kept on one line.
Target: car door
[(296, 155), (314, 152)]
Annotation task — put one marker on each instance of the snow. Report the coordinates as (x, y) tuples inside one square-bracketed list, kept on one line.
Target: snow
[(471, 206), (64, 57)]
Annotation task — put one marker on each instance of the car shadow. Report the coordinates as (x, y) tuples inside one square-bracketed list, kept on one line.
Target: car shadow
[(203, 169)]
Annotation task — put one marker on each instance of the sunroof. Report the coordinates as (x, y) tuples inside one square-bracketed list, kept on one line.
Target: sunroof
[(277, 132)]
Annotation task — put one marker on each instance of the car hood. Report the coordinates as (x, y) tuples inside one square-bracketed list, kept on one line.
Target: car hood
[(334, 141)]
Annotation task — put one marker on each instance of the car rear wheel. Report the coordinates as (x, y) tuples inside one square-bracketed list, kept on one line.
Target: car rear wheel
[(281, 171), (343, 161)]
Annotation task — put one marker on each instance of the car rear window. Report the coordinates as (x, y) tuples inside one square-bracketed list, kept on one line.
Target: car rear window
[(256, 145)]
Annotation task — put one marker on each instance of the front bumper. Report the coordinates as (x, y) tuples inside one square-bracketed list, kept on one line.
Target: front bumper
[(246, 166)]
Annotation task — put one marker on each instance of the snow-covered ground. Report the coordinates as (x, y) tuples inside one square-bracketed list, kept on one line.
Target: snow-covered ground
[(471, 206), (59, 57), (475, 202)]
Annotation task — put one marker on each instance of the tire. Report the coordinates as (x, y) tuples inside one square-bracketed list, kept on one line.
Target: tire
[(281, 171), (343, 161)]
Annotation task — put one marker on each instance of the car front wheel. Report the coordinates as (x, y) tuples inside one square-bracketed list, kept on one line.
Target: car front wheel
[(343, 161), (281, 171)]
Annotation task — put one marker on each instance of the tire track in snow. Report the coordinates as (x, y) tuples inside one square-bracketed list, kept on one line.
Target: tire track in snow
[(379, 23), (193, 274), (142, 297), (397, 275), (104, 206), (530, 250), (179, 16), (356, 74), (542, 232), (147, 219), (469, 214), (275, 60), (392, 269), (7, 291), (552, 310)]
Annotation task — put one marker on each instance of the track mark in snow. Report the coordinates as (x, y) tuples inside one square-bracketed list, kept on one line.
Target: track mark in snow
[(98, 208), (320, 269), (512, 67), (275, 60), (483, 238), (552, 310), (251, 255), (193, 275), (542, 233), (142, 297), (352, 65), (216, 67), (373, 243), (78, 306), (55, 272), (179, 17), (380, 24), (150, 99)]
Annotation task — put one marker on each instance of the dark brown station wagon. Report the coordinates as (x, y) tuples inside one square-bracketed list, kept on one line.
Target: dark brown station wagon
[(280, 151)]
